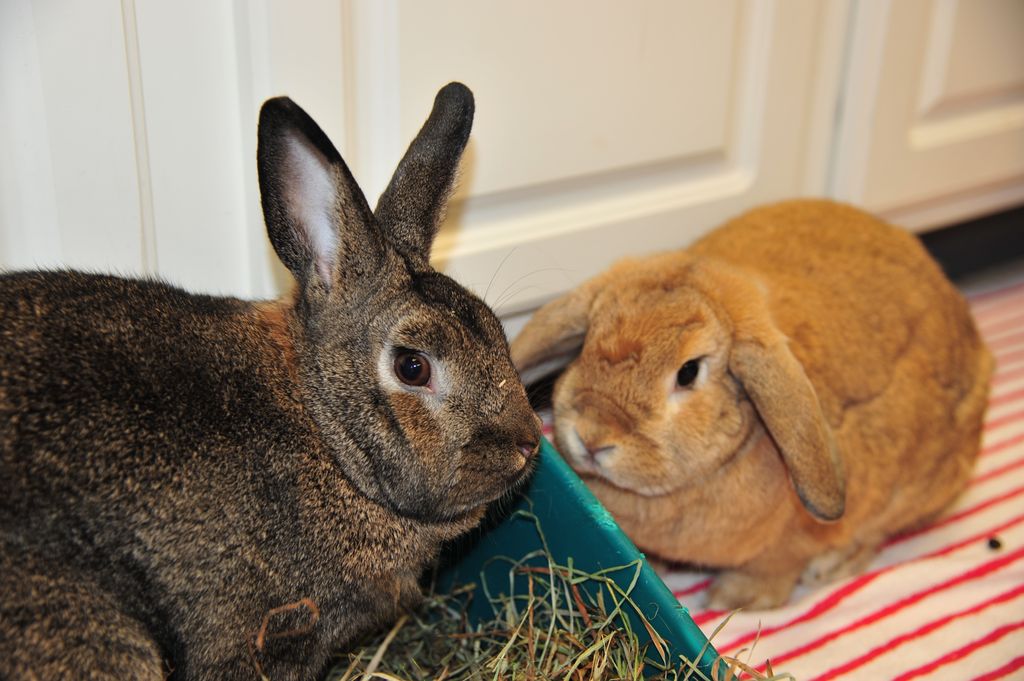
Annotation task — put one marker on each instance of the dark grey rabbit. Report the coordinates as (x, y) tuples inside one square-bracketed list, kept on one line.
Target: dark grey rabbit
[(208, 488)]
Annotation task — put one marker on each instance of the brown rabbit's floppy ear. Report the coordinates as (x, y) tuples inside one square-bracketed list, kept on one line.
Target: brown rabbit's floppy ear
[(410, 209), (785, 399), (313, 208), (554, 335)]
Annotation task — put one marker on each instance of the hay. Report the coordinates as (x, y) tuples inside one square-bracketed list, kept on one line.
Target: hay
[(551, 628)]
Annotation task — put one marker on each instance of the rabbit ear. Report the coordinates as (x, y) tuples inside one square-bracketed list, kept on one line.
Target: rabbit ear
[(554, 335), (411, 208), (789, 407), (313, 208)]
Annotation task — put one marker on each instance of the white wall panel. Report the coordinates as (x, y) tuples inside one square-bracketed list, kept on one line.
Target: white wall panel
[(282, 51), (191, 75), (29, 234), (69, 182)]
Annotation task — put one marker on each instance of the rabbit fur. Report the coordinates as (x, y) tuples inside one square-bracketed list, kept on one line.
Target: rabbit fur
[(837, 397), (206, 488)]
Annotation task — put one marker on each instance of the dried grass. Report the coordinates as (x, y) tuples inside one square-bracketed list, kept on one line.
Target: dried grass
[(551, 629)]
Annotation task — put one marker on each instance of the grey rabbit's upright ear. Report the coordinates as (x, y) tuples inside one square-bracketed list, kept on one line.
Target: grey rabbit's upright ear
[(411, 208), (316, 214), (789, 407)]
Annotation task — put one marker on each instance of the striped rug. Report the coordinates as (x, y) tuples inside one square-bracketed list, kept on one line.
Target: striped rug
[(946, 602)]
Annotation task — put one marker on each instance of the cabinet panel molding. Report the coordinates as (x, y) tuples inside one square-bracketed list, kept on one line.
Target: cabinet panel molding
[(933, 110)]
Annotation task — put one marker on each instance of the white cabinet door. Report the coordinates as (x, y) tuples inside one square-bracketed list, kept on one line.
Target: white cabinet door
[(603, 128), (127, 129), (933, 124)]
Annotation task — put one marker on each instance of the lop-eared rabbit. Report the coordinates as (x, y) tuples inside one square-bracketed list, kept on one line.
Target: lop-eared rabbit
[(775, 401)]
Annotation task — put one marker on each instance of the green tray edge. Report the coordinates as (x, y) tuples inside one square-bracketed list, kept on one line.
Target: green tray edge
[(563, 504)]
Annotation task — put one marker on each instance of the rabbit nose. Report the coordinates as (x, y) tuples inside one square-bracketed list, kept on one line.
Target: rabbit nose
[(595, 452), (529, 448), (599, 452)]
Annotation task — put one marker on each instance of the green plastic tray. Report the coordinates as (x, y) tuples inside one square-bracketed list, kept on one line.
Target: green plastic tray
[(577, 528)]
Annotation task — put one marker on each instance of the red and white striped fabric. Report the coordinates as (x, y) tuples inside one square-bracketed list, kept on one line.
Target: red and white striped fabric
[(946, 602)]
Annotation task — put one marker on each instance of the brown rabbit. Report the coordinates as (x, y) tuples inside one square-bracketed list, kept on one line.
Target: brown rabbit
[(207, 488), (777, 400)]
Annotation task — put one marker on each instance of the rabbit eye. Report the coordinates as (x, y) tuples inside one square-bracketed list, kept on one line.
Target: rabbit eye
[(412, 368), (688, 373)]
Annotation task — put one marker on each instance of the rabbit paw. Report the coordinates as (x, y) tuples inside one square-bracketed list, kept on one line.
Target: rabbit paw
[(734, 589), (838, 564)]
